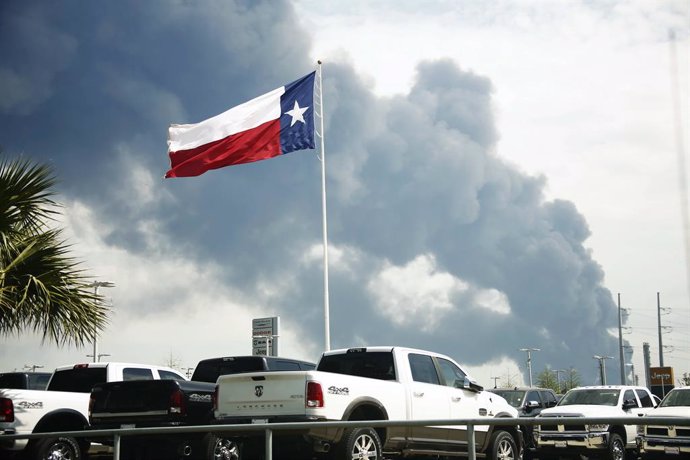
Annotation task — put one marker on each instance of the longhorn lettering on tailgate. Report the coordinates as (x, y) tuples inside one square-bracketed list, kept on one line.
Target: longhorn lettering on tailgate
[(334, 390)]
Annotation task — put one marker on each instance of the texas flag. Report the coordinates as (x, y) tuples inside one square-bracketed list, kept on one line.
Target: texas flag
[(273, 124)]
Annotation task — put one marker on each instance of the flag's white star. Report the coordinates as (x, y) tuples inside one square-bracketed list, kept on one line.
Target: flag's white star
[(297, 113)]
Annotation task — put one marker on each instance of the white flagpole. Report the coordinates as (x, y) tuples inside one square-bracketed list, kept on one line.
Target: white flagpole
[(326, 319)]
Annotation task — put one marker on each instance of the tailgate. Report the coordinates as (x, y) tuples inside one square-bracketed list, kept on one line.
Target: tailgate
[(261, 394), (132, 397)]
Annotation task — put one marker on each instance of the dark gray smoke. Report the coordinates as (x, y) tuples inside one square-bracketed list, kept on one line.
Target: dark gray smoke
[(437, 242)]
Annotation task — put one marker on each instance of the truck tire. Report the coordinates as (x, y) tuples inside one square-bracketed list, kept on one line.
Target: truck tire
[(216, 447), (360, 443), (616, 448), (63, 447), (502, 446)]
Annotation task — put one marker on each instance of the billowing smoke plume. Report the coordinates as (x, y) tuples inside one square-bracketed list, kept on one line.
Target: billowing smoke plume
[(436, 240)]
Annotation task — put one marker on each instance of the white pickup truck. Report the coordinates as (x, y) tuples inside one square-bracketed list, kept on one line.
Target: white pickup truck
[(613, 442), (63, 406), (671, 440), (373, 383)]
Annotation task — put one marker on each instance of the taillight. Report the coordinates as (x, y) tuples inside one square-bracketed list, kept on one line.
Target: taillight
[(214, 399), (177, 403), (92, 399), (6, 410), (314, 395)]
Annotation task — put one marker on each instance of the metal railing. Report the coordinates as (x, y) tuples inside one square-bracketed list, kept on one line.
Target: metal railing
[(270, 428)]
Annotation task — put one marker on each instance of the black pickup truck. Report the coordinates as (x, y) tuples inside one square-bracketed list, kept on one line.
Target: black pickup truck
[(160, 403)]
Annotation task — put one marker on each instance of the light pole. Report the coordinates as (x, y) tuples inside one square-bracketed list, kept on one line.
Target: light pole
[(529, 361), (558, 378), (33, 367), (95, 285), (602, 366), (98, 357)]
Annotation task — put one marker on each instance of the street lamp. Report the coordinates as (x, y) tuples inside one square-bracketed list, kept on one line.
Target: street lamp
[(558, 378), (529, 361), (99, 356), (95, 285), (602, 366)]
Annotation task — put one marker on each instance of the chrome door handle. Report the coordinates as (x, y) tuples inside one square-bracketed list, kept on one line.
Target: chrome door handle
[(417, 394)]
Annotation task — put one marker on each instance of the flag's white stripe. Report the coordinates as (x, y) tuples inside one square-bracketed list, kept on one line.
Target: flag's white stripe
[(239, 118)]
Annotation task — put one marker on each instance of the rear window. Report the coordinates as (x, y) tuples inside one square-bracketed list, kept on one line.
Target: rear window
[(374, 364), (13, 381), (209, 370), (79, 380), (38, 381), (136, 373)]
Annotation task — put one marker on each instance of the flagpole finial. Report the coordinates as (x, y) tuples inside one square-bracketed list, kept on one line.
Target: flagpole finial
[(318, 61)]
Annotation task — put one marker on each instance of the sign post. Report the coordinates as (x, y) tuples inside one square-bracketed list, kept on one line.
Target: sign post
[(265, 335), (661, 380)]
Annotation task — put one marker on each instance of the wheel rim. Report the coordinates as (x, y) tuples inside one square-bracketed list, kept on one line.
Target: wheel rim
[(60, 450), (226, 449), (617, 450), (505, 450), (364, 447)]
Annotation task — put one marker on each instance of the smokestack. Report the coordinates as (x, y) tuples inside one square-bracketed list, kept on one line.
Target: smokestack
[(647, 361)]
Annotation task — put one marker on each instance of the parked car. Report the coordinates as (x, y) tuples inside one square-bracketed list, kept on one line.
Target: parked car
[(25, 380), (529, 402), (656, 441), (613, 442), (373, 383)]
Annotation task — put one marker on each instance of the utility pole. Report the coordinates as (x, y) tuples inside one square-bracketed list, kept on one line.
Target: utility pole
[(620, 341), (529, 361), (661, 345), (602, 367), (495, 380)]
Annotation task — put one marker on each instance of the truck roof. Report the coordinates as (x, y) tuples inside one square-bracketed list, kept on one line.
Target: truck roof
[(381, 348), (114, 363)]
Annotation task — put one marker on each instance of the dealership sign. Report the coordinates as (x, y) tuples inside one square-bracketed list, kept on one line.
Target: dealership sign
[(661, 376), (265, 334)]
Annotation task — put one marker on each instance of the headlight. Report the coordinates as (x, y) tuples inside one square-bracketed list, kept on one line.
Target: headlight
[(597, 427)]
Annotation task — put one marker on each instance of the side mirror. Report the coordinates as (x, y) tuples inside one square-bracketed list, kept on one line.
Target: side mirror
[(532, 405), (468, 384), (629, 404)]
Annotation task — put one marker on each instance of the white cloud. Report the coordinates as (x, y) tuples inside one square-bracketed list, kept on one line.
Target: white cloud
[(416, 293)]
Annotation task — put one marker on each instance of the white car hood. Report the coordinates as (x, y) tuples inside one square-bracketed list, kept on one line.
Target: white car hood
[(673, 411)]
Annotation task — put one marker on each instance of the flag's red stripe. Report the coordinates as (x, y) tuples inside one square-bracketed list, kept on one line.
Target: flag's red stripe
[(256, 144)]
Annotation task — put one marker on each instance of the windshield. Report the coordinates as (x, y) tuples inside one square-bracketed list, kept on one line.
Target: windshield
[(676, 398), (593, 397), (514, 397)]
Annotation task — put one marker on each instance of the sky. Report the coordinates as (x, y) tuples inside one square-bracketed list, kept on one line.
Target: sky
[(498, 173)]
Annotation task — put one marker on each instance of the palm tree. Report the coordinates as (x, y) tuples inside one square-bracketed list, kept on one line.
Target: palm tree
[(42, 288)]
